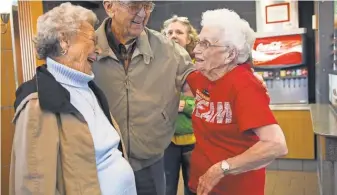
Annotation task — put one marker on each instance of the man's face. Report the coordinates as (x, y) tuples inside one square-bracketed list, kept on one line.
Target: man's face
[(130, 16)]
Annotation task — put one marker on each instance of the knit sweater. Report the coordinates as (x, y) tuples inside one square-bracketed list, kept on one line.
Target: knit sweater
[(115, 175)]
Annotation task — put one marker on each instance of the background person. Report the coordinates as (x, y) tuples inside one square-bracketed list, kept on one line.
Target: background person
[(65, 141), (178, 153), (236, 132)]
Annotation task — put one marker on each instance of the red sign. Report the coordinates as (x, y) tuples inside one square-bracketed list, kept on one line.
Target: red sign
[(281, 50)]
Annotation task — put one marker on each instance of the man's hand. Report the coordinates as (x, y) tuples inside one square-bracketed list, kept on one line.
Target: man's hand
[(260, 78), (210, 179), (181, 105)]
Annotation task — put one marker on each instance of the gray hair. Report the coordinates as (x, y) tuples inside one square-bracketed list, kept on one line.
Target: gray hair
[(64, 20), (235, 31)]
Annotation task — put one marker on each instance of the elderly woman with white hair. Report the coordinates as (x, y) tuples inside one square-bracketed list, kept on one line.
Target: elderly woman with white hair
[(236, 132), (65, 140)]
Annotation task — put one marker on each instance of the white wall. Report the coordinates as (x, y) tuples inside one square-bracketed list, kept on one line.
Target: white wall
[(261, 24)]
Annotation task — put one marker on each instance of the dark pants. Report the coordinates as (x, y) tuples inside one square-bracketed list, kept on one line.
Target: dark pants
[(151, 180), (176, 157)]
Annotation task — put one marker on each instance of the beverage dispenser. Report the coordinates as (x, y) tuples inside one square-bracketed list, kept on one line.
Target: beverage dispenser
[(280, 59)]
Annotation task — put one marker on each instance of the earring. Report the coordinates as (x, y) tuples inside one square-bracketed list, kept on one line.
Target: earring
[(64, 52)]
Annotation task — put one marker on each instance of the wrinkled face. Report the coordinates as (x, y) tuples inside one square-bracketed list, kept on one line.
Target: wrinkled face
[(211, 54), (131, 17), (178, 32), (81, 49)]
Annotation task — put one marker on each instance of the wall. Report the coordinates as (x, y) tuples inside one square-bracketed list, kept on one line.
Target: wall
[(165, 9), (262, 26), (194, 9), (7, 110), (324, 58), (305, 12)]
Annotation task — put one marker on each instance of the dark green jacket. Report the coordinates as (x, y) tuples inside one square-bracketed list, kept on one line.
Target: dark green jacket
[(184, 122)]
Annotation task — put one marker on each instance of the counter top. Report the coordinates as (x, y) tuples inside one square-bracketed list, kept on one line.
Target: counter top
[(290, 107), (324, 120)]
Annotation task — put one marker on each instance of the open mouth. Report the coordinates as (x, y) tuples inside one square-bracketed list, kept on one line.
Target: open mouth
[(199, 60), (92, 58), (137, 22)]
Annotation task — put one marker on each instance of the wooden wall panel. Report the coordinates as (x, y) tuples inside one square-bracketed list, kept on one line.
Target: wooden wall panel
[(7, 111), (28, 12), (7, 132), (5, 62), (6, 41), (5, 180), (298, 131), (7, 78)]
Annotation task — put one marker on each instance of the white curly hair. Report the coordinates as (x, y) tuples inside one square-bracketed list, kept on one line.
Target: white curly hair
[(63, 20), (235, 31)]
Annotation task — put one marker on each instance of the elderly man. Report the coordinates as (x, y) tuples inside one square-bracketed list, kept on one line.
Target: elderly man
[(142, 74)]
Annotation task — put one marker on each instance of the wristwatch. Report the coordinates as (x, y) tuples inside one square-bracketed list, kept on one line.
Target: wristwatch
[(225, 167)]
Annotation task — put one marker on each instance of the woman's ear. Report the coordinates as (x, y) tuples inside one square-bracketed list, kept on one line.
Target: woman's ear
[(64, 42), (232, 55)]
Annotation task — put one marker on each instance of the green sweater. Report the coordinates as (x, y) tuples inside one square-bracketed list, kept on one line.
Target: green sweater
[(184, 122)]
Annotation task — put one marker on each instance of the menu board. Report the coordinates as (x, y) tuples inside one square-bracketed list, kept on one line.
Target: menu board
[(284, 50)]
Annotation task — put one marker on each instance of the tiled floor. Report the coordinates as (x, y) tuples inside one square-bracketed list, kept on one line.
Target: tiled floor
[(286, 183)]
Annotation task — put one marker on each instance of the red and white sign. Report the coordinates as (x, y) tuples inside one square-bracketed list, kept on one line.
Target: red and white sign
[(280, 50)]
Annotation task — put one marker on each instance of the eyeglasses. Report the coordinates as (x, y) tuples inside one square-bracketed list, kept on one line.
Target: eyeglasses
[(135, 7), (206, 44)]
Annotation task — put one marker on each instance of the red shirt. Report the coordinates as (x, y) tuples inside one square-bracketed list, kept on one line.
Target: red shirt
[(225, 112)]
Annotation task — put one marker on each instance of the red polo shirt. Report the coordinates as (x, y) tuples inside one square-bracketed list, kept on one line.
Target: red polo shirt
[(225, 112)]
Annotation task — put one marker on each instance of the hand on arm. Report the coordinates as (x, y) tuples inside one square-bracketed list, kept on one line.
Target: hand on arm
[(260, 78), (184, 67)]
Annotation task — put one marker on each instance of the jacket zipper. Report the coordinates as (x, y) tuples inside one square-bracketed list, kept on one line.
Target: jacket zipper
[(126, 66)]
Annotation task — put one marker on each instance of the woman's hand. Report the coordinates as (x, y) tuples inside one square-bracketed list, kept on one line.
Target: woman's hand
[(181, 106), (210, 179)]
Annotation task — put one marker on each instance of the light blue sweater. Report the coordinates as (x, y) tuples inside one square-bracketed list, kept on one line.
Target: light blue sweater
[(115, 175)]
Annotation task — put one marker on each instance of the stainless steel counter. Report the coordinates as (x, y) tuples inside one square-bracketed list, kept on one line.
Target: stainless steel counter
[(324, 120)]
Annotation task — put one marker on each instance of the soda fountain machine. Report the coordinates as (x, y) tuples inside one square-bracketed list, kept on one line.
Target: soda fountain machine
[(280, 59)]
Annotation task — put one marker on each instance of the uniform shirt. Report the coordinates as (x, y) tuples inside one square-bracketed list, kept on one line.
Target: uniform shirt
[(226, 111)]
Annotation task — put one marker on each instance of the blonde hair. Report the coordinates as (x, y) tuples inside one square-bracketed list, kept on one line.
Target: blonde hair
[(191, 31)]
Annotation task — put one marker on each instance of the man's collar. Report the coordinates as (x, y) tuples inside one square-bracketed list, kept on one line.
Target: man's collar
[(143, 44)]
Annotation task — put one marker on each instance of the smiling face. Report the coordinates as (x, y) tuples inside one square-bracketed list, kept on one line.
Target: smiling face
[(81, 49), (178, 32), (212, 56), (129, 17)]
